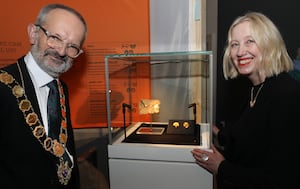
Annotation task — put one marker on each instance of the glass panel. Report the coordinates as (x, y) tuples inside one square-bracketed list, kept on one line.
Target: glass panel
[(165, 93)]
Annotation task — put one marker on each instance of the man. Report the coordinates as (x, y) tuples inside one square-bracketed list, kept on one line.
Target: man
[(33, 155)]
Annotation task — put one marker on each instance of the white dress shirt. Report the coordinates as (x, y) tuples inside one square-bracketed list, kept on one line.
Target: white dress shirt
[(40, 80)]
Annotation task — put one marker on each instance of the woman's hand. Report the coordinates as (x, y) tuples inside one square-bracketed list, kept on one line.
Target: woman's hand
[(208, 160), (215, 130)]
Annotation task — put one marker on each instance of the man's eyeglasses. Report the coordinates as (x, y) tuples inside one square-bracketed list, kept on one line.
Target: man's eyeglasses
[(55, 42)]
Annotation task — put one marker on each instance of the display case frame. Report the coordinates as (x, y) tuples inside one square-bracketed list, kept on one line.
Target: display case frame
[(172, 58), (151, 164)]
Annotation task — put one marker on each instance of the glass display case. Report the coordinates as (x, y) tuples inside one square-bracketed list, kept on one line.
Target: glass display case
[(166, 97), (160, 107)]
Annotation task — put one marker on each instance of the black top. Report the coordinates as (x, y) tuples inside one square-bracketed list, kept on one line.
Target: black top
[(261, 147)]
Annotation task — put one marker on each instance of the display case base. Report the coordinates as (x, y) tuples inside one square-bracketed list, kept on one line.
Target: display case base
[(159, 135)]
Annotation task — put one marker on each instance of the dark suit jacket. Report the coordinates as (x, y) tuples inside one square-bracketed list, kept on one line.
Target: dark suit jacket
[(24, 163)]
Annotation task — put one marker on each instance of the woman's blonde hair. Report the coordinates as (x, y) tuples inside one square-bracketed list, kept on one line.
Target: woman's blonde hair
[(274, 59)]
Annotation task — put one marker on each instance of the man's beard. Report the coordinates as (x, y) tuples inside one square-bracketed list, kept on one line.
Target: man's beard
[(50, 56)]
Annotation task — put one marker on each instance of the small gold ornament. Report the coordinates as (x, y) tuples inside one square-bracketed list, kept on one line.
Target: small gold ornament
[(6, 78), (58, 148), (24, 105), (63, 138), (48, 143), (253, 100), (186, 124), (18, 91), (31, 119), (39, 131), (64, 172), (175, 124)]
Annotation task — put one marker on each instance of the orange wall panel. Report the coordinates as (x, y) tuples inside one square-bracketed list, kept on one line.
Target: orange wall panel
[(114, 26)]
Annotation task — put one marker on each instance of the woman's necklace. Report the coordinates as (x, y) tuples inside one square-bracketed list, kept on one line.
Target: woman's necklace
[(253, 100)]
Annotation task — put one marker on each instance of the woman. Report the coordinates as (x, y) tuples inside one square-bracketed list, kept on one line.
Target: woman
[(260, 148)]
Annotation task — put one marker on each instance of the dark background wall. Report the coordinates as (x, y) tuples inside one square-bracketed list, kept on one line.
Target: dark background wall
[(284, 13)]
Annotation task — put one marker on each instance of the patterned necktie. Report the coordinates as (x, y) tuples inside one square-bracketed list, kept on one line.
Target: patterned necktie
[(54, 113)]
